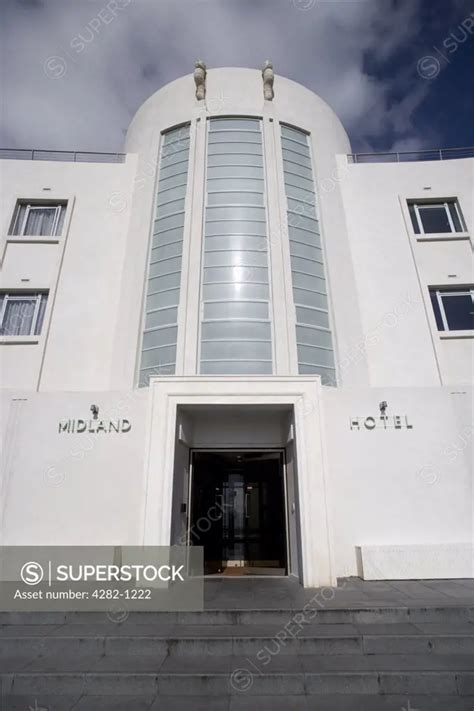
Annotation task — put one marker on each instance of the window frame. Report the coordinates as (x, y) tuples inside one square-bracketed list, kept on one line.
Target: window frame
[(440, 292), (32, 205), (303, 216), (18, 295), (174, 141), (256, 150), (442, 202)]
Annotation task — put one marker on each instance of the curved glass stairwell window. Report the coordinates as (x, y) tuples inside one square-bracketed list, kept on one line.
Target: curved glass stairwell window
[(164, 276), (236, 333), (313, 334)]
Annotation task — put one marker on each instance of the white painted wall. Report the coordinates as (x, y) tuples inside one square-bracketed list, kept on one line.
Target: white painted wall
[(399, 487), (82, 270), (234, 426), (383, 487), (72, 489), (394, 268)]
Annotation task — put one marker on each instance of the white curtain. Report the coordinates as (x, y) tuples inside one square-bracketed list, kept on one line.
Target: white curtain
[(18, 317), (40, 221)]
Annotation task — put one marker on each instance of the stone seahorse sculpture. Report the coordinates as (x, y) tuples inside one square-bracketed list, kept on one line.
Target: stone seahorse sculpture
[(200, 79), (268, 79)]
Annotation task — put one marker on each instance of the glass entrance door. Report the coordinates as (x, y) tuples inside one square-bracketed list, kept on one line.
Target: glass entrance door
[(238, 512)]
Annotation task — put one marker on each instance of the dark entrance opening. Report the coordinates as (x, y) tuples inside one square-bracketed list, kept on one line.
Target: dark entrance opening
[(237, 514)]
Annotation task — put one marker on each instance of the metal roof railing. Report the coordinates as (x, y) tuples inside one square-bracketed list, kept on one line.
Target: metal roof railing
[(96, 157), (67, 156), (412, 156)]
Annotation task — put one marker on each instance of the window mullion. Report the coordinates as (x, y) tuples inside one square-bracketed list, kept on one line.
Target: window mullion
[(460, 217), (450, 219), (16, 230), (3, 309), (35, 315), (419, 220), (441, 310), (55, 220), (25, 220)]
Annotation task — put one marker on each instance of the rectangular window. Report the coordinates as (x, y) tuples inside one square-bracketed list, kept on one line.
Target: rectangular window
[(441, 217), (38, 219), (313, 334), (22, 313), (160, 335), (236, 334), (453, 309)]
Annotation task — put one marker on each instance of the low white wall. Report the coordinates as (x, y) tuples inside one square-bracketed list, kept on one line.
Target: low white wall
[(403, 486), (455, 560), (72, 489)]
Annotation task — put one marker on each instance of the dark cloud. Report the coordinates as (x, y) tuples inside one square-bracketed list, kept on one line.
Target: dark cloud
[(149, 71), (75, 71), (36, 4)]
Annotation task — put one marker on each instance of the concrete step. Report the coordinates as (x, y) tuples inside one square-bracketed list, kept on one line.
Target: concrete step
[(77, 647), (321, 702), (235, 659), (259, 665), (131, 629), (313, 614), (241, 681)]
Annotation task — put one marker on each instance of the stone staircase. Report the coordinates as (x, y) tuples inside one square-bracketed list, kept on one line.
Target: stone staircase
[(405, 658)]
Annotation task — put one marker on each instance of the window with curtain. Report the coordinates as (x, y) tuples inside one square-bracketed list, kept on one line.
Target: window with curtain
[(164, 276), (38, 219), (236, 335), (22, 313), (313, 332)]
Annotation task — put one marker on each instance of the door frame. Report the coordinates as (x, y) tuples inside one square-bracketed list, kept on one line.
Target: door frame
[(303, 394), (282, 452)]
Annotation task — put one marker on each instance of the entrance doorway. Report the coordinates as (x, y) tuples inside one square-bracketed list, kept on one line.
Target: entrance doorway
[(238, 511)]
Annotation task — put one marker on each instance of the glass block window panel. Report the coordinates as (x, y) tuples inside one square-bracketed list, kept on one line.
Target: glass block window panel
[(22, 313), (235, 258), (313, 334), (38, 219), (243, 367), (453, 309), (429, 217), (160, 334), (235, 292), (237, 330), (235, 309)]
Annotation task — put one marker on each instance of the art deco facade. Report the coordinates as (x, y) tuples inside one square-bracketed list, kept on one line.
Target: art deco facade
[(236, 315)]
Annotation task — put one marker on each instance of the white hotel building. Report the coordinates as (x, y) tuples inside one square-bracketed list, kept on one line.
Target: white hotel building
[(239, 335)]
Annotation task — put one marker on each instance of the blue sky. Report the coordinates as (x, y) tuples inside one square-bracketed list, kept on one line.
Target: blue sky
[(399, 73)]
